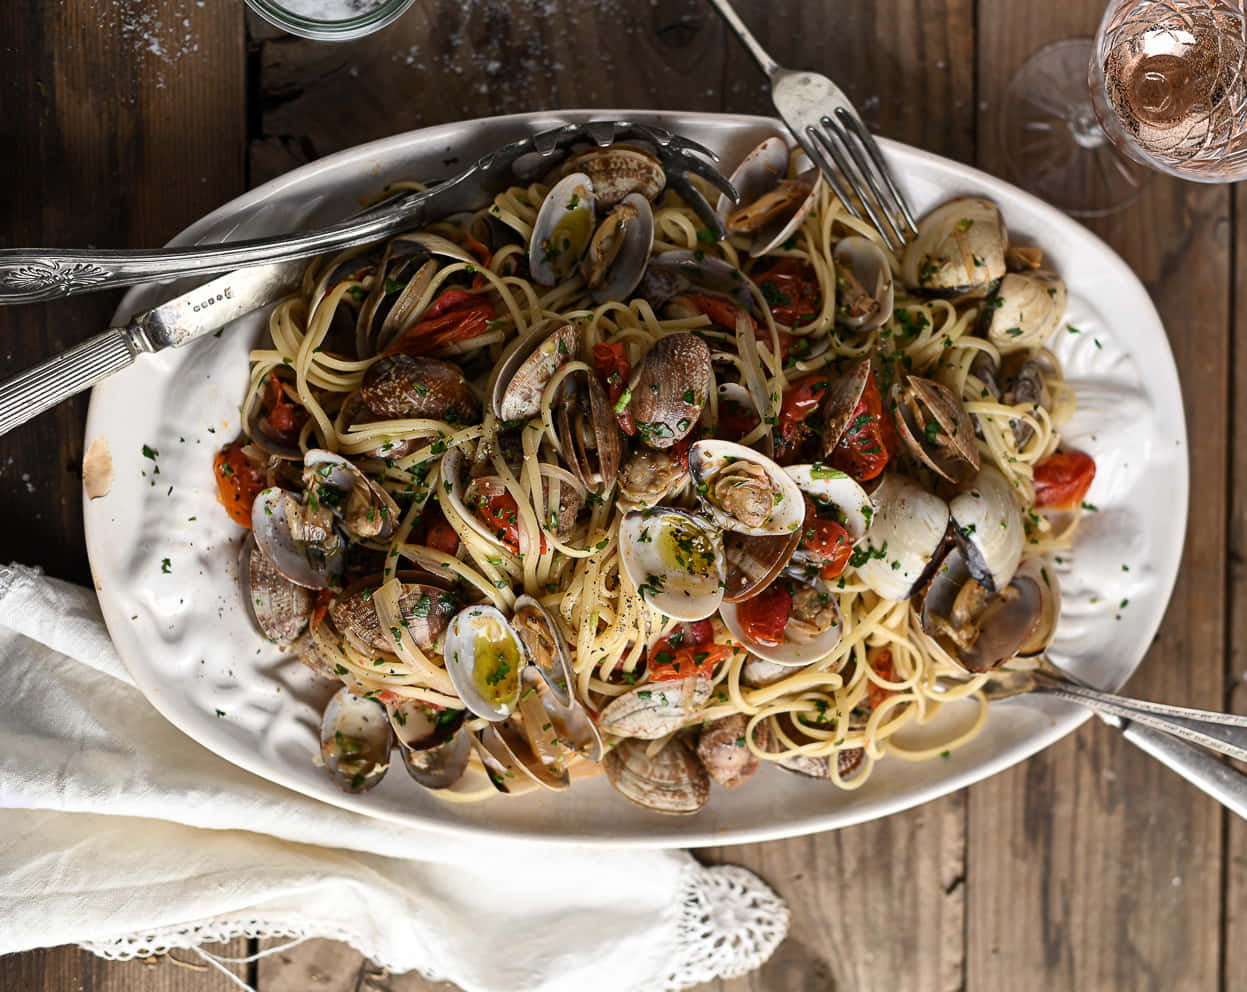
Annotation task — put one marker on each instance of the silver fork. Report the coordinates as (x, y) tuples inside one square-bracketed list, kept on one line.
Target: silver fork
[(830, 130), (30, 275)]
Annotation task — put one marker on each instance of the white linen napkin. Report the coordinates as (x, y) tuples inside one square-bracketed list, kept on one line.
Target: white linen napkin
[(123, 835)]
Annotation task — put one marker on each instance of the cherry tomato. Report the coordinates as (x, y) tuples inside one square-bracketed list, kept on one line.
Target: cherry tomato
[(764, 616), (825, 542), (456, 315), (610, 363), (880, 659), (280, 418), (501, 514), (323, 598), (724, 314), (482, 255), (791, 290), (799, 417), (1062, 479), (735, 420), (237, 482), (862, 451), (687, 650), (434, 531)]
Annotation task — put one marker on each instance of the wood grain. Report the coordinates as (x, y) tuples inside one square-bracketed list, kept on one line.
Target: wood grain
[(1092, 867), (59, 969)]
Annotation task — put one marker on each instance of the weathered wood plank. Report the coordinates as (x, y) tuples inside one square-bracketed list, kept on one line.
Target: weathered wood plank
[(1091, 866), (58, 969), (330, 966)]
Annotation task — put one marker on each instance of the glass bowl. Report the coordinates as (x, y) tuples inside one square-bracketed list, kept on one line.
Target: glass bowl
[(323, 20)]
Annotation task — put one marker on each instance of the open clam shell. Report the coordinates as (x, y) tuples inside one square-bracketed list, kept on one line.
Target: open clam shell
[(935, 427), (279, 607), (671, 781), (587, 433), (453, 490), (754, 561), (655, 709), (988, 526), (364, 507), (829, 487), (743, 490), (675, 560), (959, 249), (484, 657), (355, 741), (617, 254), (562, 230), (507, 747), (807, 638), (647, 476), (772, 206), (435, 747), (864, 284), (547, 649), (841, 399), (303, 563), (1024, 311), (674, 272), (530, 364), (552, 724), (905, 537)]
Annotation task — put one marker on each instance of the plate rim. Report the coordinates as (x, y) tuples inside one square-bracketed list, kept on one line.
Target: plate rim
[(1064, 718)]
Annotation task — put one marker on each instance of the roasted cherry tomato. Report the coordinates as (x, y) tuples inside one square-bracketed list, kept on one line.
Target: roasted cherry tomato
[(482, 255), (323, 598), (724, 314), (825, 542), (687, 650), (735, 420), (763, 617), (434, 531), (1062, 480), (500, 513), (880, 659), (238, 482), (799, 416), (279, 418), (610, 363), (791, 290), (862, 450), (456, 315)]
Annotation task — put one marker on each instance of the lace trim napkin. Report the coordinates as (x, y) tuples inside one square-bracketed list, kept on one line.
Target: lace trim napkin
[(128, 838)]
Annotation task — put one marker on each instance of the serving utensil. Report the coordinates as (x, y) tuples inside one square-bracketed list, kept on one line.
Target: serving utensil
[(31, 275), (1168, 733), (829, 128)]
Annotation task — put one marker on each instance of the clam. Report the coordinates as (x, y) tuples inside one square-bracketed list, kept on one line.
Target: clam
[(552, 724), (908, 531), (265, 437), (744, 491), (671, 781), (655, 709), (364, 507), (321, 650), (935, 427), (987, 523), (403, 386), (864, 285), (484, 657), (959, 249), (547, 649), (673, 273), (840, 401), (1024, 311), (424, 610), (434, 745), (753, 562), (508, 756), (669, 389), (279, 607), (562, 229), (772, 206), (587, 433), (355, 741), (647, 476), (1028, 387), (814, 625), (619, 170), (618, 252), (979, 629), (724, 752), (530, 364), (306, 549), (455, 494), (835, 493), (675, 560)]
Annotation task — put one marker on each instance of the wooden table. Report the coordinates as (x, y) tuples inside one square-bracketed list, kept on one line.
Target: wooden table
[(1088, 867)]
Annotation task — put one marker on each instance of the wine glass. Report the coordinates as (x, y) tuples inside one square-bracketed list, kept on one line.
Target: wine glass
[(1160, 87)]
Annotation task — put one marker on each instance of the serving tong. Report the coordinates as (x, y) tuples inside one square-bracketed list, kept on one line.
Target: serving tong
[(32, 275), (1177, 736), (829, 128)]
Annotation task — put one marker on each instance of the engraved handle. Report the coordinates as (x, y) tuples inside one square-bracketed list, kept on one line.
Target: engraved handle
[(767, 64), (1205, 771), (29, 393)]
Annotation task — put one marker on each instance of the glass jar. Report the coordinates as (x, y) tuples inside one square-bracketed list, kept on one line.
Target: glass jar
[(329, 20)]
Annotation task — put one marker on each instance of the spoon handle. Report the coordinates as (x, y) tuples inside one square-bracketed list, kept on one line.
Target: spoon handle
[(1205, 771), (1223, 732)]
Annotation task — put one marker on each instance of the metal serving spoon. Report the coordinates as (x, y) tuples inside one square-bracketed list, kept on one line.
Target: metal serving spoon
[(1162, 730)]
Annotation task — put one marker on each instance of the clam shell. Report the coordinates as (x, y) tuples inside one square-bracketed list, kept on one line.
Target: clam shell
[(507, 745), (724, 470), (633, 223), (760, 176), (722, 750), (486, 676), (959, 249), (530, 364), (425, 608), (434, 755), (790, 653), (908, 530), (402, 386), (562, 230), (301, 563), (619, 170), (279, 607), (1024, 311), (989, 528), (865, 268), (828, 485), (669, 389), (671, 781), (675, 560), (648, 475), (954, 454), (674, 272), (355, 741), (754, 561), (547, 648), (587, 433), (365, 508), (655, 709)]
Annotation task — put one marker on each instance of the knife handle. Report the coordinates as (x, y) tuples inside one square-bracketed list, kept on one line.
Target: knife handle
[(29, 393), (1204, 770)]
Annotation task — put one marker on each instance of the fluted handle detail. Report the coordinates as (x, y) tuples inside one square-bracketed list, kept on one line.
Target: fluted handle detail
[(29, 393)]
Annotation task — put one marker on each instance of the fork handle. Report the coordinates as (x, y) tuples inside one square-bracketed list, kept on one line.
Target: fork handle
[(1205, 771), (767, 64), (1223, 732)]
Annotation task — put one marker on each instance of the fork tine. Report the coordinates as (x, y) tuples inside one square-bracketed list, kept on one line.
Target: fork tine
[(854, 124), (863, 183), (828, 168)]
